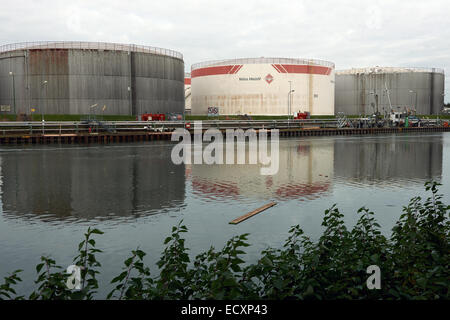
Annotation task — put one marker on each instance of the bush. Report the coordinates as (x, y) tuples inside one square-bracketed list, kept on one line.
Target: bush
[(413, 262)]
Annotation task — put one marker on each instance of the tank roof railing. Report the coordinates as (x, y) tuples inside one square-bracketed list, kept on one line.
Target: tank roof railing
[(89, 46), (262, 60), (380, 70)]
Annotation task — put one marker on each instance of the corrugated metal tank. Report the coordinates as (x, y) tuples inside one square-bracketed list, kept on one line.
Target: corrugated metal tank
[(261, 86), (412, 88), (69, 77)]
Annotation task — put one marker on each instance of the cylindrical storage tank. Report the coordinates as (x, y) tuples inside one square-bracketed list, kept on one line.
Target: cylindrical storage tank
[(187, 92), (404, 89), (70, 77), (263, 86)]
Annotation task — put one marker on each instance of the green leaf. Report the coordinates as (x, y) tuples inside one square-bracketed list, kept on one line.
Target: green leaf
[(309, 291), (39, 267)]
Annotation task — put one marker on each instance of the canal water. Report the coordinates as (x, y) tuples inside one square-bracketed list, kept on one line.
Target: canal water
[(49, 195)]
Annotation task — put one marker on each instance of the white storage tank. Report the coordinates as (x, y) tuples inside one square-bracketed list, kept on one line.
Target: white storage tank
[(187, 92), (263, 86)]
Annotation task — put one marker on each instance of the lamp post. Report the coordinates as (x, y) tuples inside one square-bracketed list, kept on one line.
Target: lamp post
[(289, 99), (103, 112), (415, 103), (130, 100), (14, 91), (46, 99), (290, 106)]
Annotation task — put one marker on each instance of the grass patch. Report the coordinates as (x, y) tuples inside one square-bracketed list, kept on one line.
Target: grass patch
[(433, 116), (69, 117), (8, 117)]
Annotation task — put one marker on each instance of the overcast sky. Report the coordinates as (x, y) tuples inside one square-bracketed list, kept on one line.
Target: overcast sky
[(348, 33)]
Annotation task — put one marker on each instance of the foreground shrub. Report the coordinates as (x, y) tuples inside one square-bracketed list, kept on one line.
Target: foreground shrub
[(413, 263)]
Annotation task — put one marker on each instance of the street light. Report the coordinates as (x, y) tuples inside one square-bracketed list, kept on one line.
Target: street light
[(46, 99), (103, 111), (290, 106), (14, 91), (289, 98), (130, 100)]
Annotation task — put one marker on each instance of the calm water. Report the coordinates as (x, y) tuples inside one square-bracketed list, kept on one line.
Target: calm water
[(49, 195)]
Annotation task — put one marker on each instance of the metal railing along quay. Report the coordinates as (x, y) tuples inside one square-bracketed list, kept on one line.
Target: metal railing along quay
[(80, 127), (65, 127), (129, 131)]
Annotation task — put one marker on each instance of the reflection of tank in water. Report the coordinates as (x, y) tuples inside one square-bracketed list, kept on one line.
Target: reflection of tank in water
[(305, 171), (91, 183), (385, 159)]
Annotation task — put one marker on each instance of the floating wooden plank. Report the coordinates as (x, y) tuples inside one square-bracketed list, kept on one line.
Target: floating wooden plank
[(254, 212)]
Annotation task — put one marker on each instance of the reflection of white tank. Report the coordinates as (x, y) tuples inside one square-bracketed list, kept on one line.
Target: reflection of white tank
[(305, 172), (263, 86)]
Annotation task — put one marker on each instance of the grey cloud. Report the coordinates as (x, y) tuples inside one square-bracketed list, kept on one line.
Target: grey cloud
[(349, 33)]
